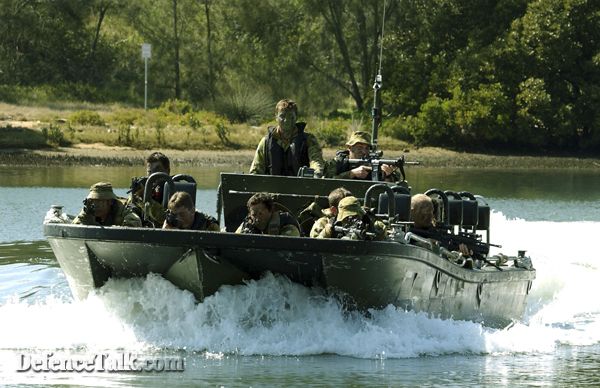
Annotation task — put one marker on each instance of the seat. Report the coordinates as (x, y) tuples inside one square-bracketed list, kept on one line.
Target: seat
[(179, 183)]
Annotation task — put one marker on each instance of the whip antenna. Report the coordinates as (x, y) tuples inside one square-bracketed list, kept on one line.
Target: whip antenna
[(376, 112)]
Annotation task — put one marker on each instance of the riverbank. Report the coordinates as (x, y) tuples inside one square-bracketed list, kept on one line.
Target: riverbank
[(100, 154)]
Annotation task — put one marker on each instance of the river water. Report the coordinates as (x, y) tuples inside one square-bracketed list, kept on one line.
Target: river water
[(272, 332)]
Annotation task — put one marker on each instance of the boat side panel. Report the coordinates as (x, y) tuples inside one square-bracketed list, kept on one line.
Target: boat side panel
[(419, 285), (81, 267)]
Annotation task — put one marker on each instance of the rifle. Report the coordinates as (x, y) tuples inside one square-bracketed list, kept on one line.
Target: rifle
[(452, 241), (248, 226), (374, 159)]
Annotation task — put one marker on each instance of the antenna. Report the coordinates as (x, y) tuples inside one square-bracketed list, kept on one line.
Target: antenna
[(381, 38), (376, 112)]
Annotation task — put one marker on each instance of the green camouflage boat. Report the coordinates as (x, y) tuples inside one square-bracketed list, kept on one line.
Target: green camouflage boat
[(406, 270)]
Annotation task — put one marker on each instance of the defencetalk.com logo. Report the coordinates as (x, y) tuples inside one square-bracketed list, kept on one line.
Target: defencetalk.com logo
[(51, 362)]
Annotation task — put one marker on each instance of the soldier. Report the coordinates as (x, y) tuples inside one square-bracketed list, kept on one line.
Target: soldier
[(154, 213), (263, 218), (354, 223), (102, 207), (182, 214), (421, 212), (423, 218), (358, 146), (334, 199), (286, 148)]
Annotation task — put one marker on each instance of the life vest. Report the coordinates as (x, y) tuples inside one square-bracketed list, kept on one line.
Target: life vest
[(202, 221), (286, 162), (278, 221)]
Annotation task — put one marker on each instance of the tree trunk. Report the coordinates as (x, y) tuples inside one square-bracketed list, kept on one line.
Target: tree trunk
[(176, 48), (208, 51), (335, 22)]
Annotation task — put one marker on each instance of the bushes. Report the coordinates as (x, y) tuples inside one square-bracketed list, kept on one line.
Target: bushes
[(86, 117), (332, 133)]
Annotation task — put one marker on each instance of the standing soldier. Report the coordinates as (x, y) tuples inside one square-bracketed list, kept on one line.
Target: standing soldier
[(287, 148), (103, 208)]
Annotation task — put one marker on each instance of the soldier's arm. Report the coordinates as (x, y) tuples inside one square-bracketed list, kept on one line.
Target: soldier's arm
[(131, 219), (318, 226), (84, 219), (259, 162), (315, 154), (380, 230), (290, 230)]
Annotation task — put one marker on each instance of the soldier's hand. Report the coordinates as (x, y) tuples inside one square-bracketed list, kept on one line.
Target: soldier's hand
[(360, 172), (387, 169)]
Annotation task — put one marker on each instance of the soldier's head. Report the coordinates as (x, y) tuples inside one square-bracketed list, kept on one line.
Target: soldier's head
[(260, 209), (101, 196), (359, 144), (286, 114), (349, 209), (181, 207), (158, 162), (335, 197), (421, 211)]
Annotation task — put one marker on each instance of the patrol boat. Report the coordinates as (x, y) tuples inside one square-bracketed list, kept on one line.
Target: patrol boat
[(364, 274)]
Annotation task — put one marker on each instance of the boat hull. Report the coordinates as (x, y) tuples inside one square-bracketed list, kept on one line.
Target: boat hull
[(365, 274)]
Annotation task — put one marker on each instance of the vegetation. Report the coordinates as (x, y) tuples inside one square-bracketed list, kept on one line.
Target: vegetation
[(494, 75)]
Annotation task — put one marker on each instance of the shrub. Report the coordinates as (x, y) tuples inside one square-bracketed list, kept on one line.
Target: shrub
[(126, 117), (86, 117), (245, 104), (175, 106), (332, 133), (54, 135)]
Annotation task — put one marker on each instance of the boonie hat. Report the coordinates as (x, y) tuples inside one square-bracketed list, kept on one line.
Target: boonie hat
[(101, 190), (359, 137), (348, 207)]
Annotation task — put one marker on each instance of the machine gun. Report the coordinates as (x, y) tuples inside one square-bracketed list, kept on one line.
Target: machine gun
[(357, 230), (452, 241)]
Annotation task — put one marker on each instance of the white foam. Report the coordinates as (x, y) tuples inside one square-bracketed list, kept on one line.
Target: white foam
[(273, 316)]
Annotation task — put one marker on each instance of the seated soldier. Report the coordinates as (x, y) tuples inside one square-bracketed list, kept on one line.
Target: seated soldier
[(352, 222), (182, 214), (421, 212), (358, 147), (263, 218), (153, 213), (423, 218), (103, 208), (334, 199)]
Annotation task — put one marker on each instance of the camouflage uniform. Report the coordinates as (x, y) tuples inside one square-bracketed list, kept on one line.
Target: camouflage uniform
[(348, 209), (119, 214), (203, 221), (315, 154), (321, 223), (154, 213), (339, 167), (280, 224)]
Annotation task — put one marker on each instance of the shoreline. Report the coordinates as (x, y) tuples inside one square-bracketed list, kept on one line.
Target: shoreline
[(99, 154)]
